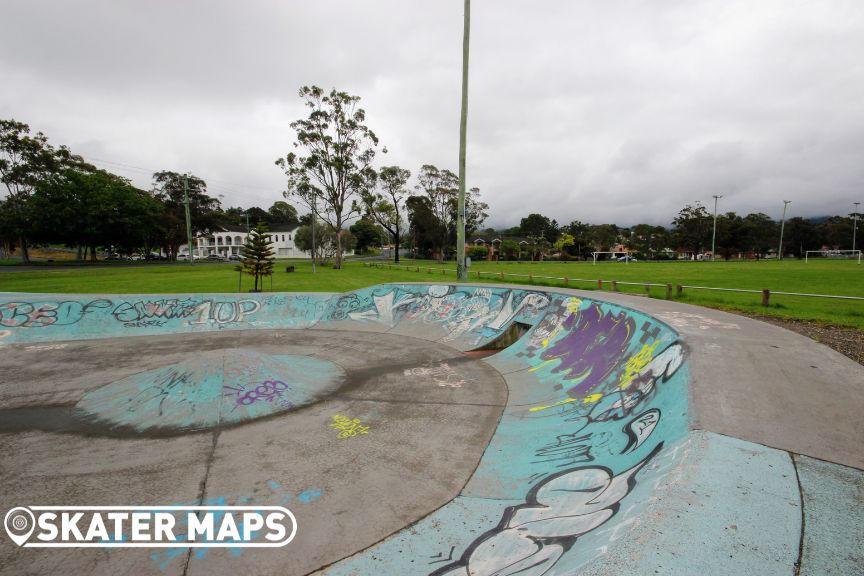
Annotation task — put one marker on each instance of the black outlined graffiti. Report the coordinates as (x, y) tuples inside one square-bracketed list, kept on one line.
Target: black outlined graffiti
[(640, 428), (460, 310), (41, 315), (200, 311), (441, 558), (132, 314), (532, 537), (569, 448)]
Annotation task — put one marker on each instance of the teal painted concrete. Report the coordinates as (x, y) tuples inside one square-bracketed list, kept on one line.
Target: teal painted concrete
[(833, 504), (211, 389), (718, 505), (596, 391), (591, 469)]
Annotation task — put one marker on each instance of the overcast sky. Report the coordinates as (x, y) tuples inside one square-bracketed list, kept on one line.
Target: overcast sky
[(606, 112)]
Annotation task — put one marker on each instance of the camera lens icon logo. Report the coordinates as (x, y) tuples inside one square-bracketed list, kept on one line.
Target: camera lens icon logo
[(19, 523)]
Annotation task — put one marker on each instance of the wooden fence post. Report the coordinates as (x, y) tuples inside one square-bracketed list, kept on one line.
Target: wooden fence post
[(668, 291), (566, 281), (679, 290), (599, 284), (614, 286), (766, 296)]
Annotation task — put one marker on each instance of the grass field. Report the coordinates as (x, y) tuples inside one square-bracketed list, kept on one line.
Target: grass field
[(820, 277)]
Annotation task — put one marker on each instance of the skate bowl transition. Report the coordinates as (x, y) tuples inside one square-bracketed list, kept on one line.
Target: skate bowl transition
[(432, 429)]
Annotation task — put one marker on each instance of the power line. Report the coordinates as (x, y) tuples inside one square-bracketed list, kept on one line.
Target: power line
[(219, 185)]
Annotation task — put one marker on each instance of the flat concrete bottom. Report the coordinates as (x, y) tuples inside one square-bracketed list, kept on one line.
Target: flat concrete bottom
[(430, 412)]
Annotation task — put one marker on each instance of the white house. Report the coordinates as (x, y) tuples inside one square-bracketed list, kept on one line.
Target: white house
[(230, 239)]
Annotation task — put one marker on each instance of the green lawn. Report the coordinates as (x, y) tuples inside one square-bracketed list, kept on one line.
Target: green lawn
[(198, 278), (821, 277)]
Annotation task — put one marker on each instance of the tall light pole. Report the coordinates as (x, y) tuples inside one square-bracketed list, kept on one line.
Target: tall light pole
[(855, 224), (461, 272), (314, 217), (714, 235), (782, 225)]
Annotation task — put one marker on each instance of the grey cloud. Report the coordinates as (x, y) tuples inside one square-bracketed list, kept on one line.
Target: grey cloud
[(604, 112)]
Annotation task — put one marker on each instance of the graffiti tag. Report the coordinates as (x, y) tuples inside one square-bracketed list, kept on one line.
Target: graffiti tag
[(532, 537), (30, 315), (442, 374), (348, 427)]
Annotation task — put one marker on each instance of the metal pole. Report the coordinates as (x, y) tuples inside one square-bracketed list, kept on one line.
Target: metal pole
[(188, 218), (855, 224), (313, 233), (714, 235), (461, 272), (782, 226)]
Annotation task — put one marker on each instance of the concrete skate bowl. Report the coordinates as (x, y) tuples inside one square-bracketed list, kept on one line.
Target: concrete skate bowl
[(412, 429)]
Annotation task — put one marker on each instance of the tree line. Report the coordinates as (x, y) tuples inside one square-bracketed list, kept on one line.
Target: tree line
[(54, 196), (752, 236)]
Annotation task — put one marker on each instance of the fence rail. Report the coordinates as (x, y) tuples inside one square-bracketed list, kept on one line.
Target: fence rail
[(614, 284)]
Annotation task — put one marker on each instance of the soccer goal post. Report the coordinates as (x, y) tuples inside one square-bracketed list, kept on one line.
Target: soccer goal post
[(834, 254), (595, 254)]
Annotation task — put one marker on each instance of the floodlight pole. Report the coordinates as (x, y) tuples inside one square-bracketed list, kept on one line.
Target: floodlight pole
[(461, 272), (855, 224), (782, 225), (188, 218), (313, 232), (714, 235)]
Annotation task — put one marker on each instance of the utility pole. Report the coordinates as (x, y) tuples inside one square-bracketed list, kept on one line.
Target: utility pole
[(855, 223), (714, 235), (313, 232), (782, 225), (461, 272), (188, 218)]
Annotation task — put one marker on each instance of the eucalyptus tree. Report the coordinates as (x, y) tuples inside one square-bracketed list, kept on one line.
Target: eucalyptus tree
[(387, 207), (333, 166)]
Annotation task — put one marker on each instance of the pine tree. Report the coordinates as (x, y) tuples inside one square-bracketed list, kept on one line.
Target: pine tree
[(257, 255)]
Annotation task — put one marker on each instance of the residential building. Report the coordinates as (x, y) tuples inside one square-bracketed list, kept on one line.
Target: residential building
[(229, 240)]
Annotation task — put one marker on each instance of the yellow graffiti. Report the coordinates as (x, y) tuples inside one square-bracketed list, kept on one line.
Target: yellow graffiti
[(636, 363), (348, 427), (541, 365), (573, 305), (590, 399)]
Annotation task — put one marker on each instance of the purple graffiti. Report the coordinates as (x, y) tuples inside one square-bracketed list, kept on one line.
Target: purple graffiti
[(267, 391), (594, 345)]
